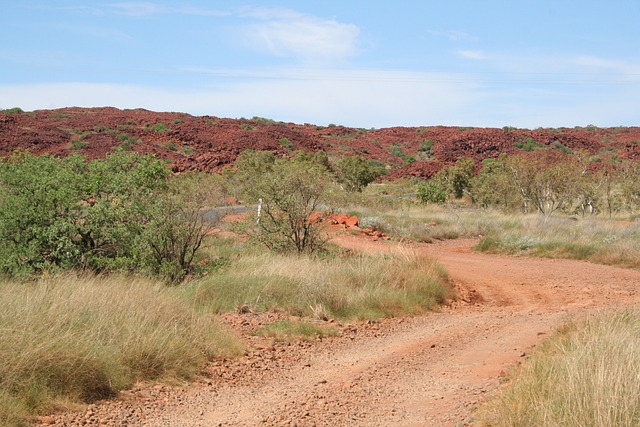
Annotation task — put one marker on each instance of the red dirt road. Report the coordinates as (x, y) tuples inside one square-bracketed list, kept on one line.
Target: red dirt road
[(431, 370)]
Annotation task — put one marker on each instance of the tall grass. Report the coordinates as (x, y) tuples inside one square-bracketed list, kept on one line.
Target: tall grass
[(586, 375), (431, 223), (71, 339), (595, 239), (361, 287), (598, 240)]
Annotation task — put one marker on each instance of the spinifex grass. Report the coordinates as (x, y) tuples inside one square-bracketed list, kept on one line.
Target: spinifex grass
[(357, 287), (72, 339), (599, 240), (585, 375)]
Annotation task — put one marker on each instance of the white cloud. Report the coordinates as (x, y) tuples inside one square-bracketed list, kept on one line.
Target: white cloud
[(472, 54), (287, 33), (355, 98), (135, 8), (454, 35), (358, 98)]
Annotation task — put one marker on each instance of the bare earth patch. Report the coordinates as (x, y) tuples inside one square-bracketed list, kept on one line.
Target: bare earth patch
[(429, 370)]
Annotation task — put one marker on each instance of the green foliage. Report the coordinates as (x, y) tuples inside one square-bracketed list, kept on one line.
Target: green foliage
[(78, 144), (560, 146), (431, 192), (529, 145), (355, 173), (246, 126), (106, 215), (426, 146), (493, 187), (397, 151), (172, 146), (160, 127), (456, 180), (13, 110), (285, 143), (290, 191)]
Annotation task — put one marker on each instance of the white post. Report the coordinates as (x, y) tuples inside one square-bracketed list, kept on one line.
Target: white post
[(259, 210)]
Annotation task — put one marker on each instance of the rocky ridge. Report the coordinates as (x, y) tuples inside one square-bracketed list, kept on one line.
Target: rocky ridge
[(210, 143)]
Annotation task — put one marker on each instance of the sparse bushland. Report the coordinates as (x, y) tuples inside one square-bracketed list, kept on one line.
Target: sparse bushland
[(585, 375), (552, 181), (355, 287), (72, 339)]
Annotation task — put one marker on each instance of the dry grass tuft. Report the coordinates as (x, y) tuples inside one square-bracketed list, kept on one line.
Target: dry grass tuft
[(74, 338), (364, 287), (585, 375)]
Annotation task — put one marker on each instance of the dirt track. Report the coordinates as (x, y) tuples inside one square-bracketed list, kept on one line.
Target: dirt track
[(427, 371)]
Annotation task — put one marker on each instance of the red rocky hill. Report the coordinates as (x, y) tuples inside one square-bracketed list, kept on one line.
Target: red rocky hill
[(209, 143)]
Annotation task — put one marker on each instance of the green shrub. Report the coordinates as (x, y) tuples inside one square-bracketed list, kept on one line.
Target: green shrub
[(285, 143), (78, 144), (117, 214), (160, 127), (13, 110), (431, 192), (355, 173)]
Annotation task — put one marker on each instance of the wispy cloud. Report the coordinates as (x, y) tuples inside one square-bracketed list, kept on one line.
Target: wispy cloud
[(454, 35), (612, 65), (288, 33), (142, 9), (472, 54), (135, 8)]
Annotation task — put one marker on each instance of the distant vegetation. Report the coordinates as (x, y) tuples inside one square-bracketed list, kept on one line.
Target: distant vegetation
[(13, 110), (545, 183)]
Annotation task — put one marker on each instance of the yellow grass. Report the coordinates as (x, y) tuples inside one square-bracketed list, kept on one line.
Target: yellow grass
[(586, 375), (70, 339), (357, 287)]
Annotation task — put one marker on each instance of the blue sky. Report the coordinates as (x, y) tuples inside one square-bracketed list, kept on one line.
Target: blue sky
[(357, 63)]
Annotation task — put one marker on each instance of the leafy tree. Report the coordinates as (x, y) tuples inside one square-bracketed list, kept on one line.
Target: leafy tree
[(492, 186), (290, 190), (355, 173), (456, 179), (431, 192)]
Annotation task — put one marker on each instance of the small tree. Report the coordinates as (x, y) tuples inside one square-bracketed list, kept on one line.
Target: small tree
[(290, 190), (355, 173), (456, 179), (178, 225)]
